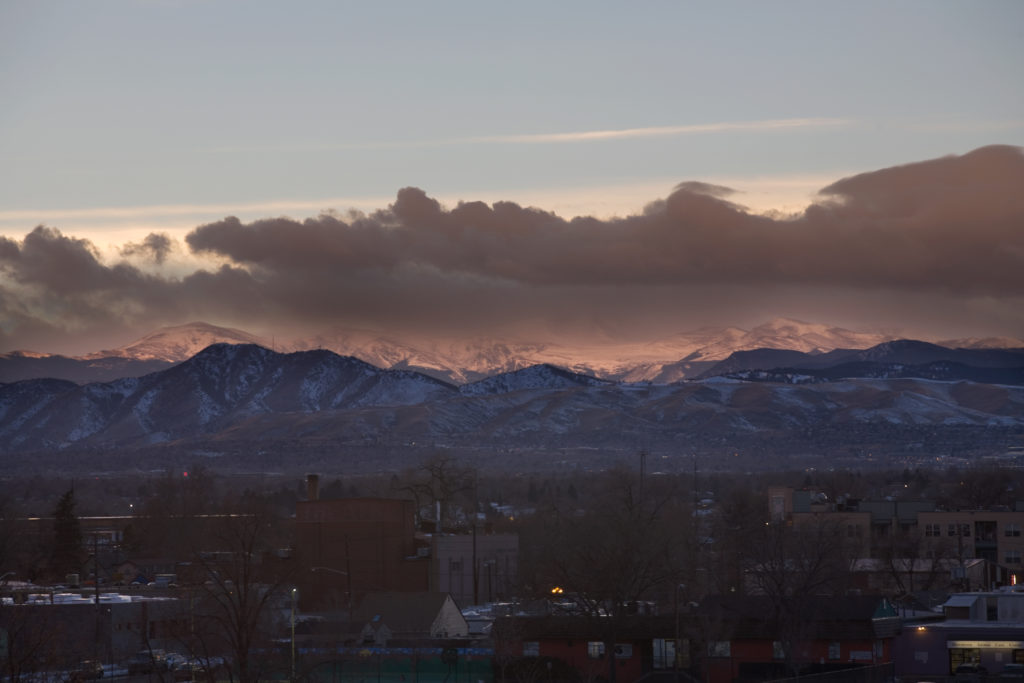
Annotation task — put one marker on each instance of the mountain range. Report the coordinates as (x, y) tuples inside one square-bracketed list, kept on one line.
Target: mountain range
[(255, 407), (680, 356)]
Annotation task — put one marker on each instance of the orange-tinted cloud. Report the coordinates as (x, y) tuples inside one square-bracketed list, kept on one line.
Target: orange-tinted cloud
[(939, 231)]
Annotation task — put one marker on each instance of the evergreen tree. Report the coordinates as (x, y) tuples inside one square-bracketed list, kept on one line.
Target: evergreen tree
[(66, 557)]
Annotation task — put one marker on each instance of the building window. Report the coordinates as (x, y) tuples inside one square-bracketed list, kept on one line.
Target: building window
[(1012, 529), (879, 649), (932, 530), (719, 648), (595, 649), (664, 653), (778, 507), (965, 530), (835, 651), (531, 648), (1012, 557), (623, 650), (778, 651)]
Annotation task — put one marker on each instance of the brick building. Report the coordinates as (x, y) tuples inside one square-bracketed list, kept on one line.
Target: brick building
[(354, 546)]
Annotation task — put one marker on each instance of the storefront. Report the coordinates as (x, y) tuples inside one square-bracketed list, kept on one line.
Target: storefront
[(992, 654)]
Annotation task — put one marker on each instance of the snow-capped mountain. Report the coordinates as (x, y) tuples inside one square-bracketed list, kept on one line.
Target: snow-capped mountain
[(459, 361), (217, 388), (983, 343), (178, 343), (543, 377), (252, 402), (671, 359), (466, 360)]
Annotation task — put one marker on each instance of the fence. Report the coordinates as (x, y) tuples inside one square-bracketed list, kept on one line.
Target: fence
[(877, 673)]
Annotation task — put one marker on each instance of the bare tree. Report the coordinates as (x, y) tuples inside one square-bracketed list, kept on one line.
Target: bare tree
[(33, 641), (165, 523), (982, 488), (441, 481), (241, 579), (912, 561), (795, 567), (633, 545)]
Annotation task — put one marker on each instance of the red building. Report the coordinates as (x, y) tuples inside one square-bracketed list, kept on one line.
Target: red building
[(574, 648), (748, 639), (354, 546)]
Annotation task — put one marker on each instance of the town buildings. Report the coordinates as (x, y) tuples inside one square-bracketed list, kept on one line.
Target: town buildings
[(351, 547), (911, 531), (984, 628)]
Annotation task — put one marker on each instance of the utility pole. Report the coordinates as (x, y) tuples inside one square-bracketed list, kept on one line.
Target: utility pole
[(96, 592), (476, 570), (294, 593), (643, 467)]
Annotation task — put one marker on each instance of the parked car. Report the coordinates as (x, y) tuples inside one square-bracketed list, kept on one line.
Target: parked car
[(199, 669), (192, 670), (146, 662), (175, 660), (88, 670)]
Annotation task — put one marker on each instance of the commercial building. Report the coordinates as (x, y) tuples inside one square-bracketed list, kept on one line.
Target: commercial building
[(985, 628)]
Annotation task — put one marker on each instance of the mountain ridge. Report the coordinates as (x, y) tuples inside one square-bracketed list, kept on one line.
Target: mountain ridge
[(462, 361), (255, 403)]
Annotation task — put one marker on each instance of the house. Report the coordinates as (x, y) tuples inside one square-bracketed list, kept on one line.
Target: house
[(416, 616), (748, 639)]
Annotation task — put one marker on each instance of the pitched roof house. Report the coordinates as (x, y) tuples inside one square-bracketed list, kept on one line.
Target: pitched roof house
[(410, 616)]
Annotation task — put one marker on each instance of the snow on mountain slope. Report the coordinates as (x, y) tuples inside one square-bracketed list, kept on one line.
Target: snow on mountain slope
[(465, 360), (666, 360), (983, 343), (248, 395), (534, 377), (217, 387), (178, 343)]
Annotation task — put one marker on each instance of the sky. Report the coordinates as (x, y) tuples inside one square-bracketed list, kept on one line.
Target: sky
[(529, 170)]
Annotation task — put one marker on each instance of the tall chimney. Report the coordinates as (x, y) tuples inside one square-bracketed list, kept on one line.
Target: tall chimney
[(313, 487)]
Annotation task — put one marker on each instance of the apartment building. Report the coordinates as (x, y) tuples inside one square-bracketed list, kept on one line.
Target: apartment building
[(880, 528)]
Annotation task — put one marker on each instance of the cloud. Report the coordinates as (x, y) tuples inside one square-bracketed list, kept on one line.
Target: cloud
[(156, 247), (949, 225), (655, 131), (572, 136), (941, 235)]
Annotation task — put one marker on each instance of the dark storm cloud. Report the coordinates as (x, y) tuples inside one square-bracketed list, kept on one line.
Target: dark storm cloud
[(951, 224), (50, 281), (928, 232), (155, 247)]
